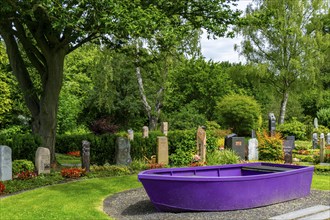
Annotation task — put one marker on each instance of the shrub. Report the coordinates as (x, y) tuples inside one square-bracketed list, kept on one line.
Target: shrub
[(293, 128), (324, 116), (19, 166), (270, 147), (25, 175), (222, 157), (2, 187), (239, 112), (111, 170), (73, 172), (103, 126)]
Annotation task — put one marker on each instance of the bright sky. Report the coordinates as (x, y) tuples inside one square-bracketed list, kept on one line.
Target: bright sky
[(222, 49)]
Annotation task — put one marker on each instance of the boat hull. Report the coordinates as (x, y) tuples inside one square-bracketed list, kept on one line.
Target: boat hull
[(227, 187)]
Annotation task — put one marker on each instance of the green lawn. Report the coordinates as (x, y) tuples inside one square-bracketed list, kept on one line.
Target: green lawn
[(82, 199), (75, 200)]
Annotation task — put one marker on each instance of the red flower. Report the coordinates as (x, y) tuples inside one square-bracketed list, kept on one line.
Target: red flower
[(2, 187), (73, 172)]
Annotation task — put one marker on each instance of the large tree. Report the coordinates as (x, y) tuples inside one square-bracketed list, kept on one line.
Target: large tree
[(278, 35), (45, 31)]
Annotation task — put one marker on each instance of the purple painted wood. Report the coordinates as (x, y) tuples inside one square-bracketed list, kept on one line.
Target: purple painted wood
[(226, 187)]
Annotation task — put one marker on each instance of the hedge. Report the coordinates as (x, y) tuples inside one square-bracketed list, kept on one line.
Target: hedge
[(103, 146)]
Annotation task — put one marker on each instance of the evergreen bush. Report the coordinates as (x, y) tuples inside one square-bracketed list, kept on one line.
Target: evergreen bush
[(240, 113), (19, 166), (293, 128), (270, 147)]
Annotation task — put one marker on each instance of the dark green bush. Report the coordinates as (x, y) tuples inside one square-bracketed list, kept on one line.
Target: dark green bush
[(239, 112), (324, 116), (293, 128)]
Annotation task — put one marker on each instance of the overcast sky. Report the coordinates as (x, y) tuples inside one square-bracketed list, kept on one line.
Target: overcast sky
[(222, 49)]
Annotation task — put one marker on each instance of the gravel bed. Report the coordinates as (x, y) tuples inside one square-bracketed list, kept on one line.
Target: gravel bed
[(135, 204)]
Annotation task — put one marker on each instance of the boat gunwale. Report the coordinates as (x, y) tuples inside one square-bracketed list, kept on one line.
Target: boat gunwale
[(152, 174)]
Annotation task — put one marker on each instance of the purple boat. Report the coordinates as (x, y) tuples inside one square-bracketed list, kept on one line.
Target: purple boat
[(225, 187)]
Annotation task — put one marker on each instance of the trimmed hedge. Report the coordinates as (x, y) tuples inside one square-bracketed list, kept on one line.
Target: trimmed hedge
[(182, 145)]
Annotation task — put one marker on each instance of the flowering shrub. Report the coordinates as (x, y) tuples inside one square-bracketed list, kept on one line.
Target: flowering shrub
[(2, 187), (196, 161), (73, 172), (24, 175), (74, 153), (155, 165)]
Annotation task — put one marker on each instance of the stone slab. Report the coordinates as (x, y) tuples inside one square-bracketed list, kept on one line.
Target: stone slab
[(5, 163), (303, 213), (162, 150)]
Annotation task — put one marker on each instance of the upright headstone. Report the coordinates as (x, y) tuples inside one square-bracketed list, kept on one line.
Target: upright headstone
[(271, 124), (42, 160), (322, 147), (238, 146), (253, 134), (201, 143), (85, 155), (162, 150), (164, 128), (253, 149), (316, 123), (145, 132), (5, 163), (315, 140), (229, 140), (130, 134), (123, 151), (293, 139), (287, 148), (328, 139)]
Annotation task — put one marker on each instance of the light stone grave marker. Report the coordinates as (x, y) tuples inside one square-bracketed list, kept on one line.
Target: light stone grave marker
[(322, 148), (162, 150), (130, 134), (5, 163), (145, 132), (42, 160), (123, 151), (253, 149), (164, 128), (201, 143), (315, 139)]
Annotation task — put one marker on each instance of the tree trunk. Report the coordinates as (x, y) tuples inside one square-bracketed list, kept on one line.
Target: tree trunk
[(284, 102), (49, 100)]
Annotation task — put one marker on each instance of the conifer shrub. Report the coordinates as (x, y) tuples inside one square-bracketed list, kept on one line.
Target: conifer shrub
[(270, 147)]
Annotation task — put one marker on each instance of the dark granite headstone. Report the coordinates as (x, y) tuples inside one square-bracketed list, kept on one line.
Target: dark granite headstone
[(123, 149), (238, 146), (253, 134), (293, 139), (271, 124), (228, 140), (287, 148), (85, 155)]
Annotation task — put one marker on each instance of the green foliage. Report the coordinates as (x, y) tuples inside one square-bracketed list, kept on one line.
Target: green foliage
[(23, 146), (111, 170), (19, 166), (239, 112), (218, 157), (324, 116), (270, 147), (293, 128)]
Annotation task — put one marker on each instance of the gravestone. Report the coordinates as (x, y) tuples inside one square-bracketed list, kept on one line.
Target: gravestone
[(229, 139), (293, 139), (164, 128), (287, 148), (238, 146), (253, 149), (123, 151), (253, 134), (145, 132), (201, 143), (322, 147), (328, 139), (130, 134), (315, 140), (42, 160), (316, 123), (85, 155), (5, 163), (162, 150), (271, 124)]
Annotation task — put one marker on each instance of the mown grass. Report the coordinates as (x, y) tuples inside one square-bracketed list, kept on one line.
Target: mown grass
[(75, 200), (321, 181)]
